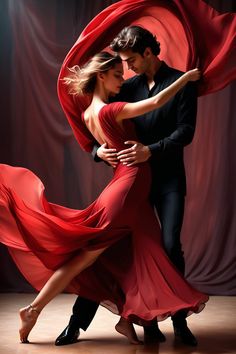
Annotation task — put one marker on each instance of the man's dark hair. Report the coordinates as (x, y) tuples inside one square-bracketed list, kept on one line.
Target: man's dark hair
[(137, 39)]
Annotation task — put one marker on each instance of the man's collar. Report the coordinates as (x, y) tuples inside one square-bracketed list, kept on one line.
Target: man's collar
[(161, 72)]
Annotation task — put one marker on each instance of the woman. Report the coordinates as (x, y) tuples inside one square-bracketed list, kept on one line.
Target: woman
[(138, 281)]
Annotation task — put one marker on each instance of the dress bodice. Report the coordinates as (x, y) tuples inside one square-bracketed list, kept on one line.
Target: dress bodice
[(114, 133)]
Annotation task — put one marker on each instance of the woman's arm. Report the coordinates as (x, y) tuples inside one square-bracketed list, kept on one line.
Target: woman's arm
[(132, 110)]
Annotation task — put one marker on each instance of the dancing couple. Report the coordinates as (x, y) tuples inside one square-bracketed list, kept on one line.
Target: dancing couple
[(114, 251)]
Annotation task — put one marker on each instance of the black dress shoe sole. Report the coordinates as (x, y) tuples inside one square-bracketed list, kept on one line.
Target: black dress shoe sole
[(67, 338), (156, 338), (151, 340), (59, 344), (192, 342)]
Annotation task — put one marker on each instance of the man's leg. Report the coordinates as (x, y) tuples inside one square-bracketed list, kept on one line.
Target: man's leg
[(152, 334), (170, 209), (82, 315)]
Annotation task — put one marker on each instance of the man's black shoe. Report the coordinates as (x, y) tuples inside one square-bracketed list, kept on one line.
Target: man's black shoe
[(153, 334), (68, 336), (184, 334)]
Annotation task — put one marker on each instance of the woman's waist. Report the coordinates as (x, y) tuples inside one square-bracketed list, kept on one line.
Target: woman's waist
[(136, 169)]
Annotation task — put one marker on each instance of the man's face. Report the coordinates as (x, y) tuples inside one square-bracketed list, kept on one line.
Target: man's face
[(135, 61)]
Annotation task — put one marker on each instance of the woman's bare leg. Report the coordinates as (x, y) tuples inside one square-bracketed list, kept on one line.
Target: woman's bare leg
[(126, 328), (57, 283)]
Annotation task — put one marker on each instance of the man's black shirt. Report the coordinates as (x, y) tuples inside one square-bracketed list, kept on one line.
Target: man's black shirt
[(167, 129)]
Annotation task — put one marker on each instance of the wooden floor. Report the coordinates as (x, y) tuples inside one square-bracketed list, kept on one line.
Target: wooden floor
[(215, 329)]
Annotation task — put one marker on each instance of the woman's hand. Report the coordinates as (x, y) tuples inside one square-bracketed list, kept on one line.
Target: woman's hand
[(193, 75)]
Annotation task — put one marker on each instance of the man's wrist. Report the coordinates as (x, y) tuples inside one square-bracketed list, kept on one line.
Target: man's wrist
[(148, 151), (95, 155)]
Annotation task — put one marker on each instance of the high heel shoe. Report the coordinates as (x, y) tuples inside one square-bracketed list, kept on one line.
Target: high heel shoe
[(28, 316)]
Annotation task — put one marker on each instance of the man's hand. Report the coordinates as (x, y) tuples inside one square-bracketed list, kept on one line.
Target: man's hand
[(108, 155), (135, 154)]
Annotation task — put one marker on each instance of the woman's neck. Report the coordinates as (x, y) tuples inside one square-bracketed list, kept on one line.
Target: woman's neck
[(96, 104), (100, 94)]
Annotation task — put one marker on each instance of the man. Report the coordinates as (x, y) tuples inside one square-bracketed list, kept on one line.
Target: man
[(163, 134)]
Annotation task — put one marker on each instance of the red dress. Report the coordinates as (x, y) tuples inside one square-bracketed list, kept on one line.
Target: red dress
[(133, 277)]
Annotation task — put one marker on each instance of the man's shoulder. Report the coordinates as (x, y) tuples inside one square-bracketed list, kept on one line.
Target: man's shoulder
[(129, 87), (171, 72), (133, 81), (168, 72)]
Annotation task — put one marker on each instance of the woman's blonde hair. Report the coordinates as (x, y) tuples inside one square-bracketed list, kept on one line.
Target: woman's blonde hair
[(82, 81)]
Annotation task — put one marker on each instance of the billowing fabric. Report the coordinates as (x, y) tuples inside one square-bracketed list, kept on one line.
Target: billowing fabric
[(134, 277), (191, 34)]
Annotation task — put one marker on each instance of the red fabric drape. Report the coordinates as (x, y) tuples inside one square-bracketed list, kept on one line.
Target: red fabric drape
[(36, 135), (191, 34)]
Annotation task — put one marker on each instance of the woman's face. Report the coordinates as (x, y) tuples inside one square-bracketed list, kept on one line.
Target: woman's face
[(113, 79)]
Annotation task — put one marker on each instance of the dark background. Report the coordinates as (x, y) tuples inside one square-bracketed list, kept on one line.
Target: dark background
[(35, 36)]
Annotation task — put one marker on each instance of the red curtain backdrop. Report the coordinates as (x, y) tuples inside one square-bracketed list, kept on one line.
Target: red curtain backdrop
[(34, 133)]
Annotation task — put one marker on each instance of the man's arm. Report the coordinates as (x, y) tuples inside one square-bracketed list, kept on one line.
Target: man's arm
[(182, 136), (94, 153), (185, 125)]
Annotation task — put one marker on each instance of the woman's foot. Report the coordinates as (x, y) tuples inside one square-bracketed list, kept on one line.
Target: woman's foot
[(127, 329), (28, 316)]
